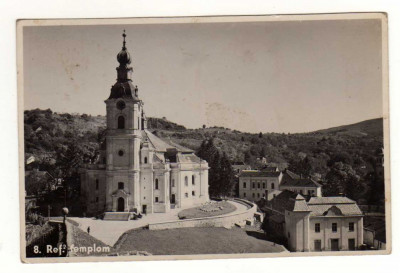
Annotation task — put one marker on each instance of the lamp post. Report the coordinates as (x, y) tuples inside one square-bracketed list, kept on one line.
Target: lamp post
[(65, 213)]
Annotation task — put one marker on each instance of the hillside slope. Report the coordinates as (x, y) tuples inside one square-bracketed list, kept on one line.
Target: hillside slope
[(357, 144), (372, 127)]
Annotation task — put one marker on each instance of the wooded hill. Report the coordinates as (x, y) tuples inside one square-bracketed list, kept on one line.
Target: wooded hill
[(357, 146)]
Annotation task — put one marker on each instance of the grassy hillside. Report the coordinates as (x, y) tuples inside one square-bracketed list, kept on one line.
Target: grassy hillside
[(372, 127)]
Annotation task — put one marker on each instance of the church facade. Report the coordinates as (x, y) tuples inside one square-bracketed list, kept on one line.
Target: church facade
[(136, 170)]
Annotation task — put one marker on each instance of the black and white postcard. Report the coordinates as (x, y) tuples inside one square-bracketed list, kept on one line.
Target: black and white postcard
[(203, 137)]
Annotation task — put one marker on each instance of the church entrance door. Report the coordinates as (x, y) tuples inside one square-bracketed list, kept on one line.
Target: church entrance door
[(121, 204), (173, 199)]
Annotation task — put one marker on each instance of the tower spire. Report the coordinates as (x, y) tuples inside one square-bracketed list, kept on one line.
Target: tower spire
[(123, 46), (124, 88)]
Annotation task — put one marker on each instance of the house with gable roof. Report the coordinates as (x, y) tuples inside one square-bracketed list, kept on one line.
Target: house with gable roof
[(321, 224)]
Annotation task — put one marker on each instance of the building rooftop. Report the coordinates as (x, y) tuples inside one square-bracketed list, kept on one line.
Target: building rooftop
[(161, 145), (331, 200), (317, 206), (291, 179), (254, 173), (302, 182)]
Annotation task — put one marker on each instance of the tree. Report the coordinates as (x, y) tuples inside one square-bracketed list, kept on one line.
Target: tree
[(260, 135), (220, 176), (226, 176), (301, 167), (342, 179), (37, 182)]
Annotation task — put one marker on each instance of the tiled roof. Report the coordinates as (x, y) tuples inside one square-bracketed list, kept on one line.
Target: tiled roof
[(318, 206), (292, 174), (345, 209), (163, 145), (283, 201), (303, 182), (290, 179), (332, 200), (259, 174)]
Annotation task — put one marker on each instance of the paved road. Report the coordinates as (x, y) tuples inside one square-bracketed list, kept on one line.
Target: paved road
[(109, 231)]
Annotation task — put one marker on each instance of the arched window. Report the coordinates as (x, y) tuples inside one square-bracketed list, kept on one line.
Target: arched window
[(156, 186), (145, 160), (193, 180), (120, 185), (272, 186), (121, 122), (186, 181)]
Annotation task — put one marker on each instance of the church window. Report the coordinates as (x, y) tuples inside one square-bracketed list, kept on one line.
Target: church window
[(156, 186), (244, 185), (186, 181), (120, 152), (97, 184), (121, 122), (193, 180), (317, 227), (334, 227), (120, 185), (156, 199), (351, 226), (193, 193), (145, 160), (272, 186)]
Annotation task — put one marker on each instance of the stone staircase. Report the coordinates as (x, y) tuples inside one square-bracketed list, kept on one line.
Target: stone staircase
[(116, 216)]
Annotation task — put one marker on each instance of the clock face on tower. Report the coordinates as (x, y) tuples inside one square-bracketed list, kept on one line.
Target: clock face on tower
[(120, 105)]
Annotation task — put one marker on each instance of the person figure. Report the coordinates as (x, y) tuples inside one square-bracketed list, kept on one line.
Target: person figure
[(88, 230)]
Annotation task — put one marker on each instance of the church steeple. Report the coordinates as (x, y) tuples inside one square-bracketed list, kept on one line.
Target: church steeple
[(124, 88)]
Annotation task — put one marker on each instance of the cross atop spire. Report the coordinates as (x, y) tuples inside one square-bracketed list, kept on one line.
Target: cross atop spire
[(124, 35)]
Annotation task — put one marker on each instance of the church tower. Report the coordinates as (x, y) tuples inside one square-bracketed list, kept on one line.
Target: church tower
[(125, 121), (138, 171)]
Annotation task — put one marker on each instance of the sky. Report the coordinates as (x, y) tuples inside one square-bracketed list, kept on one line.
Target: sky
[(282, 76)]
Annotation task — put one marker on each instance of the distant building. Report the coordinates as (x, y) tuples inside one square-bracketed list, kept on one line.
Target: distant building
[(321, 224), (240, 166), (254, 185), (269, 182), (375, 232), (307, 187), (282, 166)]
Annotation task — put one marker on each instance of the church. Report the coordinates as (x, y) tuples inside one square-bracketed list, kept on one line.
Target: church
[(137, 171)]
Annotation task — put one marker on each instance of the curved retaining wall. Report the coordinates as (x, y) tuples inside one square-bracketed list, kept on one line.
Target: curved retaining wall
[(226, 221)]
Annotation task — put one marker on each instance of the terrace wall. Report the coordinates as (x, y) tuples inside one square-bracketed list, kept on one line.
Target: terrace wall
[(227, 221)]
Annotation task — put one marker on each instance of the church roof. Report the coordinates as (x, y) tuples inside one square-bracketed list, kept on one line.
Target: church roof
[(161, 145), (125, 90)]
